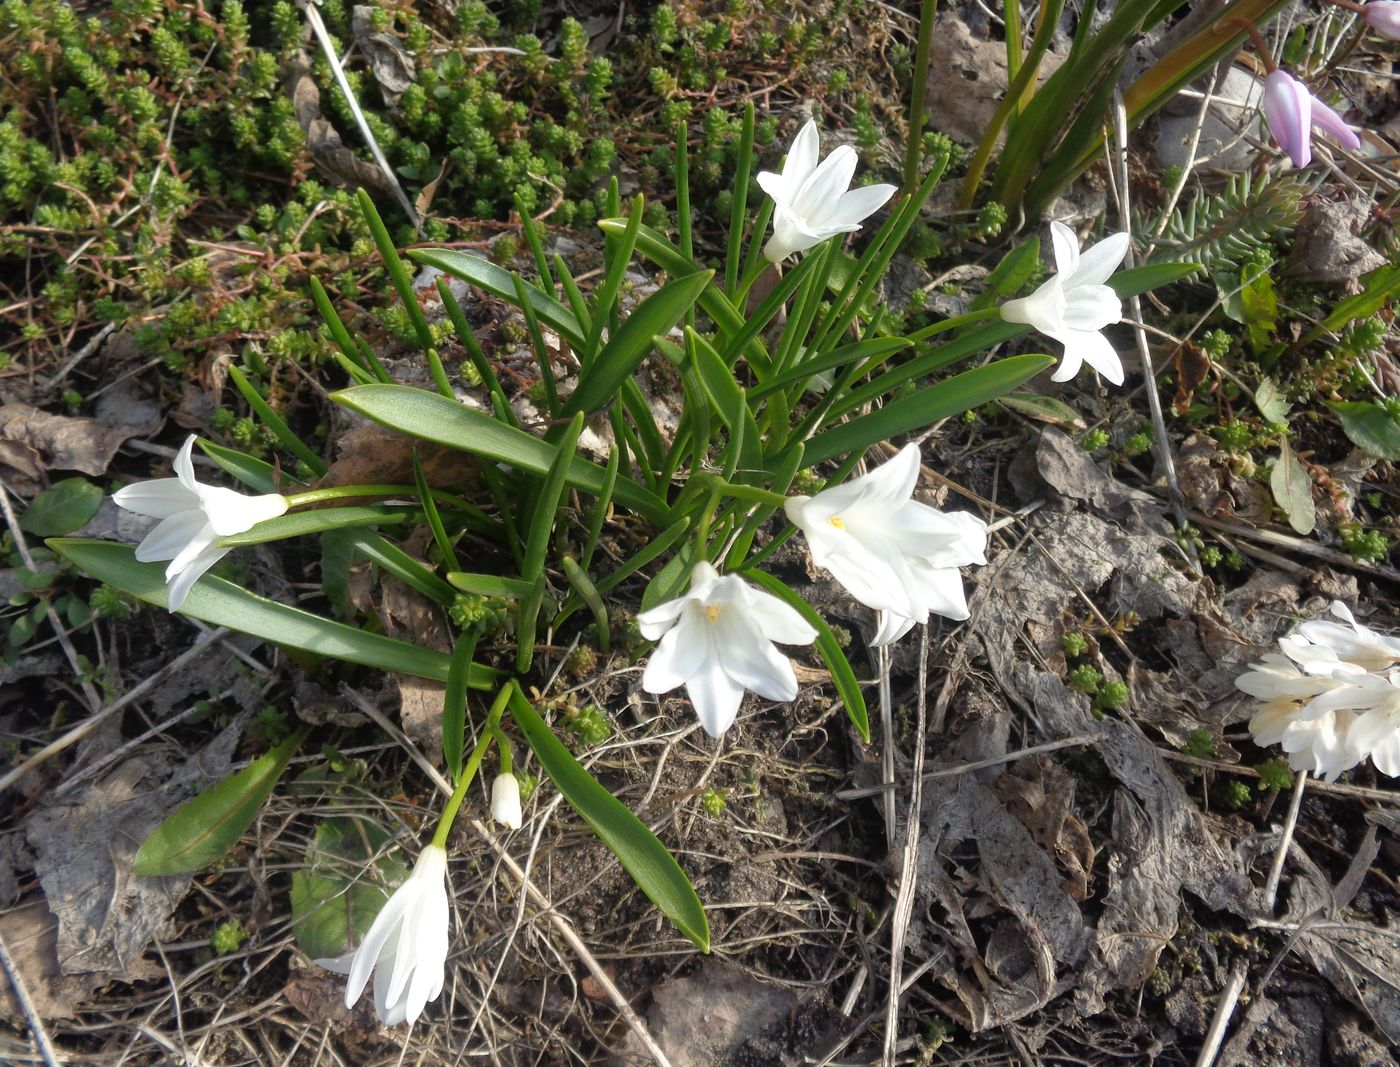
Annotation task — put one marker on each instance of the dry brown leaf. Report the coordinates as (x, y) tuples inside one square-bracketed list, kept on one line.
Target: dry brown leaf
[(33, 442), (322, 139), (30, 933), (376, 455), (1040, 793)]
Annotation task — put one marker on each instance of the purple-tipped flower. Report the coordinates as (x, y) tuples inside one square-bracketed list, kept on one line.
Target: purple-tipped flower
[(1383, 16), (1292, 113)]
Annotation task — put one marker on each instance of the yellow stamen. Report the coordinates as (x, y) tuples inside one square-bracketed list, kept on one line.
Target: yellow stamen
[(836, 521), (712, 611)]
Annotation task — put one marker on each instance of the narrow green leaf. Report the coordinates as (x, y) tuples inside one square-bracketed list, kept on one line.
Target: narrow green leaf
[(467, 338), (391, 559), (490, 585), (1014, 270), (641, 854), (1371, 428), (605, 296), (486, 275), (201, 830), (302, 523), (1043, 409), (221, 603), (256, 474), (1292, 489), (403, 284), (653, 317), (454, 701), (274, 422), (1142, 279), (544, 510), (430, 510), (739, 207), (435, 418), (598, 513), (829, 648), (924, 407), (69, 505)]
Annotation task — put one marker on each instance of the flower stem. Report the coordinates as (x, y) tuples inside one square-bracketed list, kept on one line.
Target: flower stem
[(746, 492), (1260, 45), (343, 492), (491, 733), (1350, 5)]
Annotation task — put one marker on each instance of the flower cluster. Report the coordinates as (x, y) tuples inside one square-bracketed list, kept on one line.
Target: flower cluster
[(889, 551), (1330, 697)]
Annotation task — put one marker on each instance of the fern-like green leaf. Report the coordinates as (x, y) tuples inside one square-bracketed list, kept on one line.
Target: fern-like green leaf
[(1220, 232)]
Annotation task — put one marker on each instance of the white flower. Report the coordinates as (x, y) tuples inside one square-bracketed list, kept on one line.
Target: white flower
[(505, 801), (889, 551), (406, 946), (1332, 699), (717, 641), (193, 518), (1075, 304), (812, 202)]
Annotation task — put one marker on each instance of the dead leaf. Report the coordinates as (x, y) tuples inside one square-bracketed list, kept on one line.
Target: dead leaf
[(30, 933), (1040, 793), (84, 849), (322, 139), (424, 200), (390, 62), (1211, 485), (33, 442), (376, 455), (707, 1018), (1061, 466), (1192, 369)]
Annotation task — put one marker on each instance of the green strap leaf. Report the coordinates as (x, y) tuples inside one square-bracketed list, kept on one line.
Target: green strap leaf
[(924, 407), (827, 646), (434, 418), (490, 585), (498, 282), (274, 422), (454, 701), (204, 828), (301, 523), (1371, 428), (600, 380), (644, 857), (222, 603)]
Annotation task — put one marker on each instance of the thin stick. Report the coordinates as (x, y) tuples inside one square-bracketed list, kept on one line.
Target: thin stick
[(964, 768), (1229, 997), (561, 925), (1289, 825), (904, 897), (1154, 400), (26, 1006), (882, 659), (1234, 986), (318, 27)]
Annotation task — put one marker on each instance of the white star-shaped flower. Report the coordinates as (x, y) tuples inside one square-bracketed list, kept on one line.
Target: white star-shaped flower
[(718, 641), (889, 551), (405, 947), (193, 518), (1074, 305), (812, 201)]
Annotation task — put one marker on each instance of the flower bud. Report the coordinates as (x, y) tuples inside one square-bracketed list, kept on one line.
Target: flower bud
[(505, 801)]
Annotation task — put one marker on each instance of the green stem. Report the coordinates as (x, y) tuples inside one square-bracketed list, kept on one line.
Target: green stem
[(742, 295), (746, 492), (491, 733), (344, 492), (957, 322), (914, 148)]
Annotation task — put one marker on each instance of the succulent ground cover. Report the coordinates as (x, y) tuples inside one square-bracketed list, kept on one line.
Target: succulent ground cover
[(1059, 845)]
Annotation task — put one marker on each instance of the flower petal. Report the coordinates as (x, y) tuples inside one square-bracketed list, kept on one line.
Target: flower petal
[(159, 498), (749, 658), (1093, 348), (679, 657), (184, 465), (171, 535), (1288, 111), (715, 697), (856, 206), (231, 513), (1066, 249), (1097, 264), (1324, 118), (178, 587), (801, 158), (385, 926), (778, 621), (891, 628), (815, 203), (1091, 307)]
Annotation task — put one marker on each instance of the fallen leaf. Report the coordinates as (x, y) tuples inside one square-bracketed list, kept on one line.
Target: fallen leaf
[(1292, 489), (376, 455), (322, 139), (33, 442), (84, 851), (390, 62)]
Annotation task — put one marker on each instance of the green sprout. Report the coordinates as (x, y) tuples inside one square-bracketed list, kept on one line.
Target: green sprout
[(228, 938), (1074, 643), (1201, 744)]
